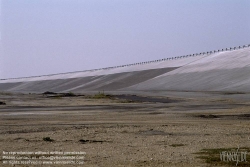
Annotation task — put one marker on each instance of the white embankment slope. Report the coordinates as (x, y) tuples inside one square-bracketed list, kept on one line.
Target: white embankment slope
[(224, 71), (221, 71)]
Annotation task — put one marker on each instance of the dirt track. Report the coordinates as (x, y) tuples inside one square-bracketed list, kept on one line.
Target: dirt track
[(125, 130)]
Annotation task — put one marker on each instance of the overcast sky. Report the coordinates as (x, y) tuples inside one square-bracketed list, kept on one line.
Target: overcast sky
[(54, 36)]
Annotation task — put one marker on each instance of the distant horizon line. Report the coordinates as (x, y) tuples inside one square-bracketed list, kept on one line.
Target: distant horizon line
[(141, 63)]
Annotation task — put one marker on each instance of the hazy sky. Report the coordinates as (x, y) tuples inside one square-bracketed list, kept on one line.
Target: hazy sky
[(54, 36)]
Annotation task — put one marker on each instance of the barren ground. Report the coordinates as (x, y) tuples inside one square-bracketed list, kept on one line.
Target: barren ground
[(126, 130)]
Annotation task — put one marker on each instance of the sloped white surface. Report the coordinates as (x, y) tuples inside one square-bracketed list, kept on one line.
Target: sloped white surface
[(153, 65), (222, 71)]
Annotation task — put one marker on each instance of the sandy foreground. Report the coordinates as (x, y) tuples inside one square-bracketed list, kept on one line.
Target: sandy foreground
[(125, 130)]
